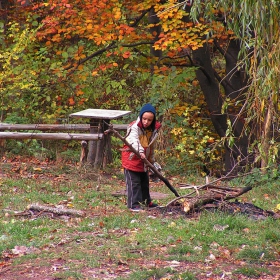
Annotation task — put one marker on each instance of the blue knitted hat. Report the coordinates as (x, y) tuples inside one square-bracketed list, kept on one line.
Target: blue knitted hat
[(148, 108)]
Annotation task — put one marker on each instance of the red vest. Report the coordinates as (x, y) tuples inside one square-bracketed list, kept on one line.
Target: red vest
[(143, 141)]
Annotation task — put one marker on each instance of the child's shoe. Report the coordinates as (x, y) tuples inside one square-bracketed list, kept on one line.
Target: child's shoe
[(152, 205), (136, 209)]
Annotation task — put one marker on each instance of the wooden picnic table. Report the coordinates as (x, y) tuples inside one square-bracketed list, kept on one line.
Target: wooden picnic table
[(99, 152)]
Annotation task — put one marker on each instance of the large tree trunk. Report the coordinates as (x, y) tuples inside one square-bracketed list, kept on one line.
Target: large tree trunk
[(233, 84), (210, 88)]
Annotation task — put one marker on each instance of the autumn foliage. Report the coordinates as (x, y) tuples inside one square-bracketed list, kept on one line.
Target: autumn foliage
[(119, 54)]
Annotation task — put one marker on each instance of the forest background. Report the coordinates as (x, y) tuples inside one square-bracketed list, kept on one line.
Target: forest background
[(210, 68)]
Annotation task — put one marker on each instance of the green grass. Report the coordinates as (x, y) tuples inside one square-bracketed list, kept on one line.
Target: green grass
[(111, 241), (253, 272)]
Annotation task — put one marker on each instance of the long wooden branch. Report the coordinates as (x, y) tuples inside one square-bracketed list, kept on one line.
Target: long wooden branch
[(56, 210), (112, 130), (53, 127)]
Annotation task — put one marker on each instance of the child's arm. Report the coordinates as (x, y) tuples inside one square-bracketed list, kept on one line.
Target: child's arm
[(133, 139)]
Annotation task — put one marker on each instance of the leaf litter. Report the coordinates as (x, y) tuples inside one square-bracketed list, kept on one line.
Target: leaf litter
[(42, 267)]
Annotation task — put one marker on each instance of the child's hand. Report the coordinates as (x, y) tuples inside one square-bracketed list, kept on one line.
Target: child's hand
[(142, 155)]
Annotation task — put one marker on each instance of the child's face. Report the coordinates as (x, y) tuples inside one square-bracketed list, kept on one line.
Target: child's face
[(147, 119)]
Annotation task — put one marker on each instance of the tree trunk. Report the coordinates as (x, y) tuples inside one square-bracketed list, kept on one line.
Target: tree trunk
[(210, 88), (155, 31), (233, 84)]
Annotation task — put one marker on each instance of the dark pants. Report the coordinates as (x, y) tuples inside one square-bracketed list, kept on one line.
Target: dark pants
[(137, 187)]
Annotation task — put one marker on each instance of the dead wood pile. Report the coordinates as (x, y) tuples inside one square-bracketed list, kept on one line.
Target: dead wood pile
[(206, 194)]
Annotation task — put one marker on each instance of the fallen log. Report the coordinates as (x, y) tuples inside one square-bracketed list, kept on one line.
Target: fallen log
[(55, 210), (159, 175)]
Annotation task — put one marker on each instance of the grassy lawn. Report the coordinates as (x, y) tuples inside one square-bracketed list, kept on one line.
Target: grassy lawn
[(109, 242)]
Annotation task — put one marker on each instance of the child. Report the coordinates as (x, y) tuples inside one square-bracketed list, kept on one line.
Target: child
[(141, 135)]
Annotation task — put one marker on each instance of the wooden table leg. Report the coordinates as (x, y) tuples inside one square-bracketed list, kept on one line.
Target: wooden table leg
[(107, 158), (92, 146), (99, 152), (99, 147)]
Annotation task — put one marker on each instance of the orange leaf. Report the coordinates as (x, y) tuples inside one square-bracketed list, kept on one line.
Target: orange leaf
[(126, 54), (82, 101), (79, 92), (71, 101), (103, 67)]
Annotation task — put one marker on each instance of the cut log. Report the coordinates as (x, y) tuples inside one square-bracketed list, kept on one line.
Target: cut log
[(50, 136), (55, 210)]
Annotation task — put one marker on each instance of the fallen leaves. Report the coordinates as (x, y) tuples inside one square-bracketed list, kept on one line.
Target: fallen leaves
[(23, 250)]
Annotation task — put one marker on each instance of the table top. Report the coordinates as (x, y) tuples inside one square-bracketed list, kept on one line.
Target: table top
[(100, 114)]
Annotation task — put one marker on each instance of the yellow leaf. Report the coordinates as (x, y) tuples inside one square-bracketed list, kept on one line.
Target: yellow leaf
[(172, 224), (193, 108), (262, 105), (186, 207), (117, 15), (37, 169), (89, 27)]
